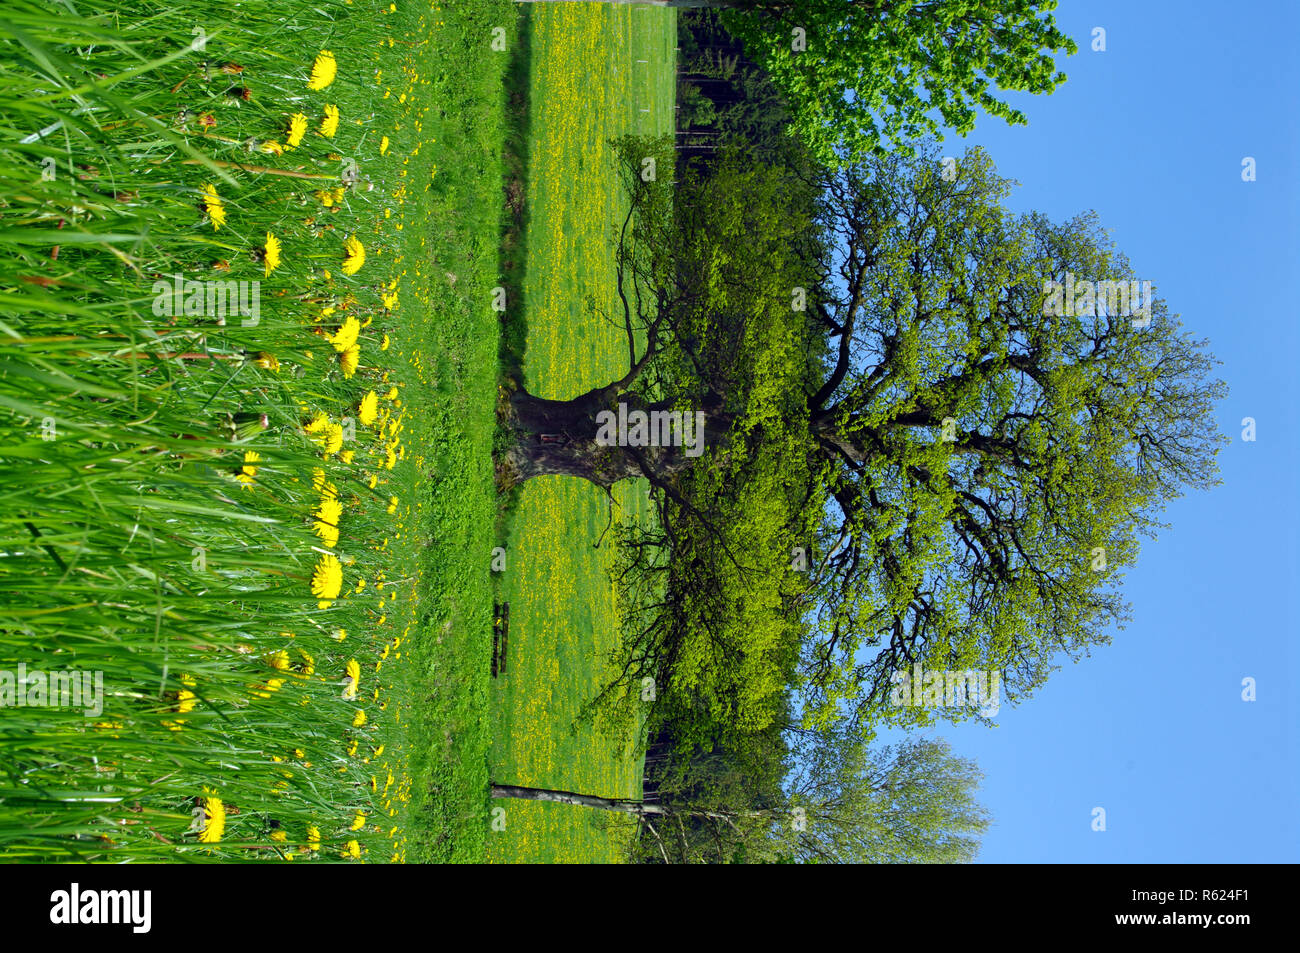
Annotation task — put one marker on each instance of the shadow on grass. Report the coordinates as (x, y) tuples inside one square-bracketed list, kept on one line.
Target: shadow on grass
[(512, 254)]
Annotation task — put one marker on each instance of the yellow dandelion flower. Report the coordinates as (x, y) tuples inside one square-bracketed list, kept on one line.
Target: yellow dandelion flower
[(384, 344), (392, 504), (318, 423), (327, 579), (354, 255), (271, 253), (359, 718), (349, 360), (249, 470), (269, 361), (352, 850), (327, 521), (374, 479), (212, 204), (330, 124), (346, 335), (273, 148), (333, 439), (278, 660), (313, 838), (392, 394), (368, 409), (323, 70), (383, 146), (279, 837), (297, 129), (352, 747), (347, 455), (214, 818), (358, 822), (308, 664)]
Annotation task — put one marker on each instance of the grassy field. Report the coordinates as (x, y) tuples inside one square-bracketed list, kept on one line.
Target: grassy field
[(266, 531), (586, 85)]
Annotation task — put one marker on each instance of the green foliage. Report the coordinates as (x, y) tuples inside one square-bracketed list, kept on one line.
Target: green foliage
[(881, 75)]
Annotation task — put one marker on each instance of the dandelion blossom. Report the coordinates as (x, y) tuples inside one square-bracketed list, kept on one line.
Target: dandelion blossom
[(330, 124), (323, 70), (297, 129), (214, 819), (383, 145), (359, 718), (352, 850), (271, 253), (349, 360), (354, 255), (249, 470), (327, 521), (359, 821), (334, 439), (346, 336), (327, 579), (318, 423), (369, 409), (212, 204)]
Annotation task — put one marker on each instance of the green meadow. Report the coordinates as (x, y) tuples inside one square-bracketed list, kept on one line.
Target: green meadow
[(596, 72)]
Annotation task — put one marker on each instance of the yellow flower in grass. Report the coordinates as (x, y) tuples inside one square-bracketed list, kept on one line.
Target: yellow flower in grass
[(297, 129), (313, 838), (354, 255), (278, 837), (368, 409), (271, 253), (349, 360), (383, 146), (392, 394), (318, 423), (359, 718), (269, 361), (323, 70), (359, 821), (390, 458), (248, 471), (327, 579), (330, 124), (213, 820), (374, 479), (383, 345), (352, 850), (308, 664), (212, 204), (327, 521), (346, 335), (278, 660), (274, 148), (392, 504), (347, 455), (333, 439), (390, 299)]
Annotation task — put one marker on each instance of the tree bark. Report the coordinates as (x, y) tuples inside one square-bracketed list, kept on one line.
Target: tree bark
[(625, 805), (559, 437)]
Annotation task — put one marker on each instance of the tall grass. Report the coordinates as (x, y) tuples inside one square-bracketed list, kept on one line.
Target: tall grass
[(162, 476)]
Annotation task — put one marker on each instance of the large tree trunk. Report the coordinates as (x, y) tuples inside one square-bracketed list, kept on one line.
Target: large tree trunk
[(625, 805), (559, 437)]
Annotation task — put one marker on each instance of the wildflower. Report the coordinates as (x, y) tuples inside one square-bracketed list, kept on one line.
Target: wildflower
[(313, 838), (354, 255), (271, 253), (297, 129), (323, 70), (383, 345), (249, 470), (359, 718), (346, 335), (268, 360), (368, 409), (278, 660), (318, 423), (392, 504), (327, 521), (212, 205), (349, 360), (392, 394), (308, 664), (390, 299), (352, 850), (278, 837), (359, 821), (213, 818), (383, 145), (330, 124), (347, 455), (327, 579), (273, 147), (334, 438)]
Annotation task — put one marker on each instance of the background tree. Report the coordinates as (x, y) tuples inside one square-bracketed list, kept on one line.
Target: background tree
[(870, 75)]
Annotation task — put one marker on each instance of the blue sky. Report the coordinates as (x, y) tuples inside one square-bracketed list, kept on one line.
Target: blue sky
[(1151, 134)]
